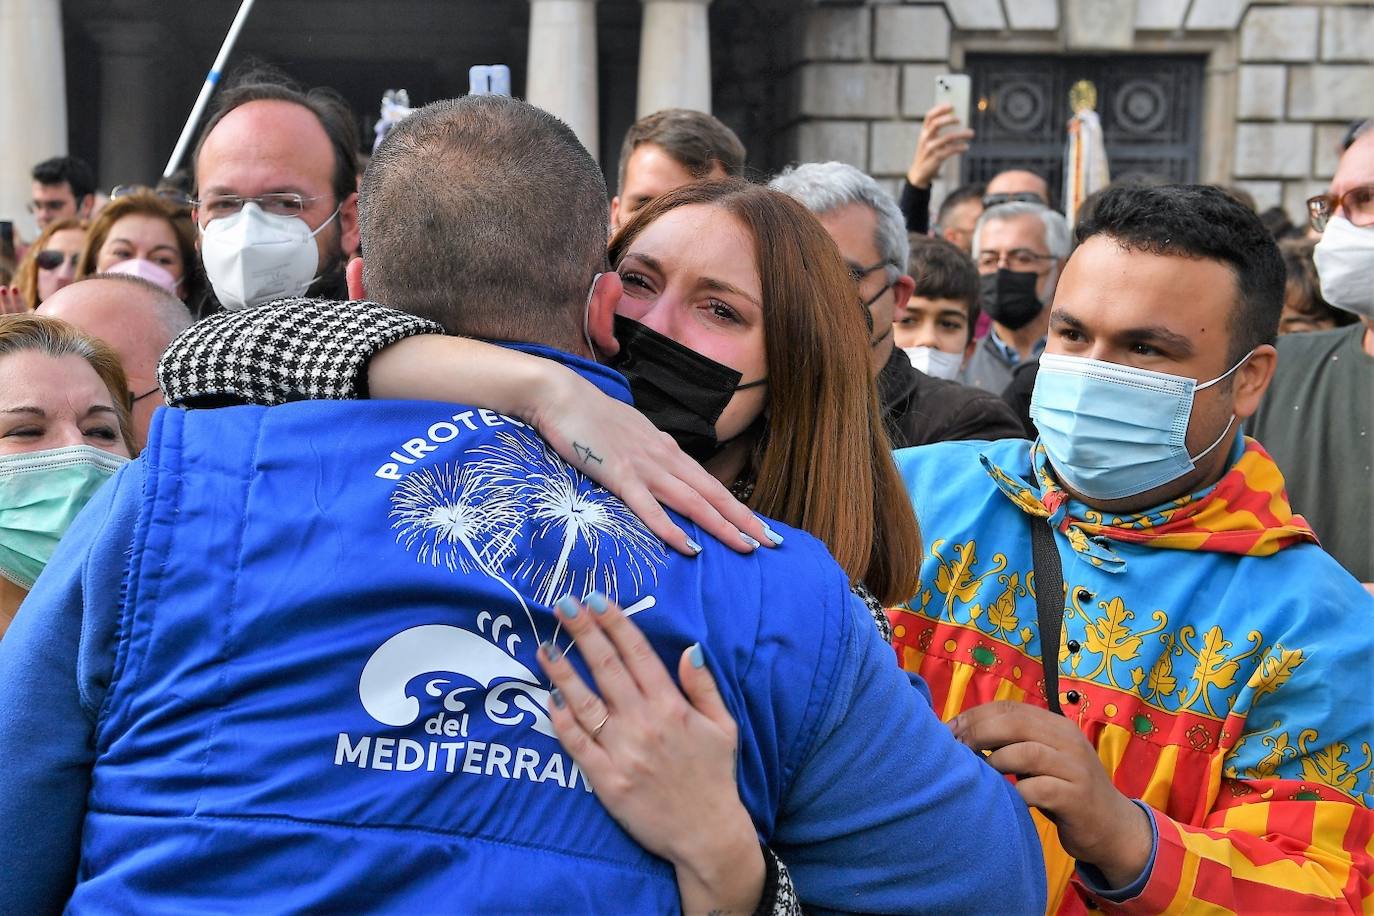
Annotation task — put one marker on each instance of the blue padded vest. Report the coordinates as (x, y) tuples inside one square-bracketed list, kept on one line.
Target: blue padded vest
[(326, 695)]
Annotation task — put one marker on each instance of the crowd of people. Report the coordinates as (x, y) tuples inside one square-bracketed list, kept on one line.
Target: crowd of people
[(715, 545)]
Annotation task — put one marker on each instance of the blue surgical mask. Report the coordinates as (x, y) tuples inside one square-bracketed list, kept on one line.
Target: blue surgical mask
[(1114, 431)]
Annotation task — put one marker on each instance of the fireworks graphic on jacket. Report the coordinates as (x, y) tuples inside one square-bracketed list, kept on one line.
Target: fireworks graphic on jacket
[(514, 497), (597, 538), (453, 516)]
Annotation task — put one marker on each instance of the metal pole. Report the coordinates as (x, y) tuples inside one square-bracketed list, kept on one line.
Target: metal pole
[(206, 90)]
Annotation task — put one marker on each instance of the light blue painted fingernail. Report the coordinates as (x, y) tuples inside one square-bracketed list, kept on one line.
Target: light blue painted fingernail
[(568, 605), (693, 546), (551, 651), (557, 696), (596, 601), (771, 534), (748, 540), (696, 656)]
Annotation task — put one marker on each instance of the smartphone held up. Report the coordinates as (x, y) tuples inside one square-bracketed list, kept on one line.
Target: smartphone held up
[(955, 89)]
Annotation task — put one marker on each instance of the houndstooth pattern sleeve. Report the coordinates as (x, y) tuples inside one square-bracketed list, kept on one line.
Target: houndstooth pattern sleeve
[(288, 350), (875, 610), (779, 895)]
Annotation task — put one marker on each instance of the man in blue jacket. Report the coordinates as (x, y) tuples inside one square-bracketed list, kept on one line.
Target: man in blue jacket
[(287, 661)]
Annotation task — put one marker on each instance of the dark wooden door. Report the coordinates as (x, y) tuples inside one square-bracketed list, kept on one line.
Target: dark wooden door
[(1150, 106)]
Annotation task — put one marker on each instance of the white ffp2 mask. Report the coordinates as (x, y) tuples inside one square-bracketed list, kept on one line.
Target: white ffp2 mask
[(1345, 266), (935, 363), (254, 257)]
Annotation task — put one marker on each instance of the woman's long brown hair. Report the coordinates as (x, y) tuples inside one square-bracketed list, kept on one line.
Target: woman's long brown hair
[(823, 462)]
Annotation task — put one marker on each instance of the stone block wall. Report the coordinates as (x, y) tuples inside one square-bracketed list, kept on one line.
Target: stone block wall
[(1305, 72), (1284, 79)]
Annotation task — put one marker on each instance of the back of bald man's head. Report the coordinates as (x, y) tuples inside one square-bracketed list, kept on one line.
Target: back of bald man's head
[(171, 312), (168, 313)]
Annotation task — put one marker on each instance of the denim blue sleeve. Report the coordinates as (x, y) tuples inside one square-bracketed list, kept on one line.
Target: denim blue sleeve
[(1094, 881), (934, 830), (55, 666)]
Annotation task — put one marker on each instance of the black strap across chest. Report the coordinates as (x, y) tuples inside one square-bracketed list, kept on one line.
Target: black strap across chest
[(1049, 605)]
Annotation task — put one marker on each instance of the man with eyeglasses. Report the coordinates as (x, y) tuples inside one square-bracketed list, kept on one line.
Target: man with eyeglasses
[(1019, 248), (869, 230), (62, 186), (1318, 418), (276, 175)]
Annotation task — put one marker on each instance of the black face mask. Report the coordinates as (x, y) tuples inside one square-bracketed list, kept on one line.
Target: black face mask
[(1009, 298), (681, 392), (868, 318)]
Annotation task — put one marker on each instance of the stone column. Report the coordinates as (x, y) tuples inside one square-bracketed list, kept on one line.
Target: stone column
[(561, 73), (674, 56), (133, 100), (33, 100)]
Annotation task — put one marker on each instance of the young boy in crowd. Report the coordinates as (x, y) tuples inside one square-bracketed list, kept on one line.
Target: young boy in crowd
[(935, 329)]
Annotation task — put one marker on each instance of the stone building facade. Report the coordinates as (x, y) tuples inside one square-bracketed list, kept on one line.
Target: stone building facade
[(1250, 93), (1279, 82)]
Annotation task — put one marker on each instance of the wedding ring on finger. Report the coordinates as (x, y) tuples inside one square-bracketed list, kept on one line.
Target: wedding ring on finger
[(600, 725)]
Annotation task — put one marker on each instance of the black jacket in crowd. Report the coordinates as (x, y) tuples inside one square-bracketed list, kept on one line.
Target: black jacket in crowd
[(919, 409)]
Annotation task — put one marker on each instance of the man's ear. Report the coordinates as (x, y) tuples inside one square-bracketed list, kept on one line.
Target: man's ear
[(605, 297), (353, 273), (1252, 380), (615, 213), (902, 291), (348, 225), (85, 205)]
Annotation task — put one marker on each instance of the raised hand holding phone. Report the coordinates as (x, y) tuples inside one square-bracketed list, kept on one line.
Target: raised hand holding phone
[(944, 132)]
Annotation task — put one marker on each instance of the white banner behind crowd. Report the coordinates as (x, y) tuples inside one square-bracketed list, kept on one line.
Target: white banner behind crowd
[(33, 99)]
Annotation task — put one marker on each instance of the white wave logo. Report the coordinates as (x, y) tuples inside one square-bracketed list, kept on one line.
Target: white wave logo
[(508, 690), (512, 512), (457, 675)]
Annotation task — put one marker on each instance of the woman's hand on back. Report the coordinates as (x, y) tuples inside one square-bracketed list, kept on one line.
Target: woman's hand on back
[(662, 763)]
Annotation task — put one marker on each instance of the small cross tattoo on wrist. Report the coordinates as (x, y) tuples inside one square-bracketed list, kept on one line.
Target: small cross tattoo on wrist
[(586, 454)]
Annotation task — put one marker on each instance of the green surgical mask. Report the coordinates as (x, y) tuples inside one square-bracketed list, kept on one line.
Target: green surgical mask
[(40, 495)]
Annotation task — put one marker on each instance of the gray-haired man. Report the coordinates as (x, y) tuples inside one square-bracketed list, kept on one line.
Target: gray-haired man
[(870, 232), (1020, 248)]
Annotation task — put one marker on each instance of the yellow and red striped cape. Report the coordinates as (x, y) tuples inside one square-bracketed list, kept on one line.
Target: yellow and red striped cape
[(1223, 669)]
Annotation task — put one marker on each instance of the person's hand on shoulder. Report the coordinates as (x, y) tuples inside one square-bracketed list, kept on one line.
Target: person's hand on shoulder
[(606, 439)]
